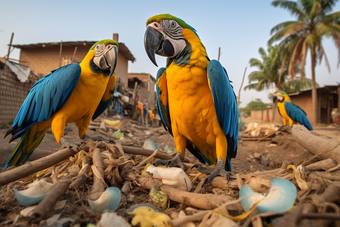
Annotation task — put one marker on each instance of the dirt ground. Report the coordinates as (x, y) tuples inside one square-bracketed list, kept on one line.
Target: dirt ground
[(251, 157), (282, 148)]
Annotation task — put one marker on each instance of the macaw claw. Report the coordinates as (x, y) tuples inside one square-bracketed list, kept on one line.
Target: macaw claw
[(175, 162), (67, 144), (218, 171)]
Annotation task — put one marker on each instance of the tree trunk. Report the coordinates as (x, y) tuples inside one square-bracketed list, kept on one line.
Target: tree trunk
[(314, 93)]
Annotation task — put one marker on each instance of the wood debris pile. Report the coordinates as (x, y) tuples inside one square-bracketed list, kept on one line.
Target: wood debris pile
[(257, 132), (81, 175)]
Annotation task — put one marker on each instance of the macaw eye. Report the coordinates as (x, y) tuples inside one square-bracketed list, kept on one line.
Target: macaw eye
[(99, 49), (173, 24)]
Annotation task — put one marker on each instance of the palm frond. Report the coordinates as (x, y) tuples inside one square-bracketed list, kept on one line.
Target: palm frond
[(297, 84), (262, 53), (322, 54), (303, 58), (280, 26), (295, 28), (294, 60), (336, 39), (256, 76), (281, 70), (256, 63), (333, 17), (323, 29), (291, 6)]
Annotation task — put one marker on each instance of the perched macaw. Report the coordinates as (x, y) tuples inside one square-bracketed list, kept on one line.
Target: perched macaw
[(196, 101), (73, 93), (290, 112)]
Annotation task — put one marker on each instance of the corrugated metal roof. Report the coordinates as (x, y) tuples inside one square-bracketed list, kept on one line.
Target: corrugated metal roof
[(123, 49)]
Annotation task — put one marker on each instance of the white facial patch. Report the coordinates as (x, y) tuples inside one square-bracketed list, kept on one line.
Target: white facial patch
[(178, 45)]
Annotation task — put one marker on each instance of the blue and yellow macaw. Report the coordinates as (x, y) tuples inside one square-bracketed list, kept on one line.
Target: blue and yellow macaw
[(196, 101), (290, 112), (73, 93)]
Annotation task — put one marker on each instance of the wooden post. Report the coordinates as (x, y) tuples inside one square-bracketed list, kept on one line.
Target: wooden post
[(9, 46), (61, 50), (134, 101), (239, 91), (219, 53), (273, 114), (74, 54)]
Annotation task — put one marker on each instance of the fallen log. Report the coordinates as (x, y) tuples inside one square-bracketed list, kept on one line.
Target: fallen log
[(35, 166), (316, 144), (203, 201)]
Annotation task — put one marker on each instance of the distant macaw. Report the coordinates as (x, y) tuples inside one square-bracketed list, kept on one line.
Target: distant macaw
[(290, 112), (196, 101), (72, 93)]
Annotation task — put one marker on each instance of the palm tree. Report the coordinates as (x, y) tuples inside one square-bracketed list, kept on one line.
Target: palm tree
[(297, 85), (271, 74), (297, 37)]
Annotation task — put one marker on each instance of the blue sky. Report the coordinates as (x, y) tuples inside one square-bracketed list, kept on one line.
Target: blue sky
[(240, 28)]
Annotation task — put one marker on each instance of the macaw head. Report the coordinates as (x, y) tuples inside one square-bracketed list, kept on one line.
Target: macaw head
[(165, 36), (281, 96), (104, 55)]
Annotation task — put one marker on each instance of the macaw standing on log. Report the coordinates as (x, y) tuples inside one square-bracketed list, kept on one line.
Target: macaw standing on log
[(196, 101), (73, 93), (290, 112)]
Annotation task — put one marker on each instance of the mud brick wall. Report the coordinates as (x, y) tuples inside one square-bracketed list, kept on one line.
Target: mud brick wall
[(260, 116), (12, 94)]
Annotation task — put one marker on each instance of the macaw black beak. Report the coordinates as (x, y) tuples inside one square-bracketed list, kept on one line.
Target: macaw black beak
[(152, 42), (274, 99), (111, 57), (155, 43), (108, 61)]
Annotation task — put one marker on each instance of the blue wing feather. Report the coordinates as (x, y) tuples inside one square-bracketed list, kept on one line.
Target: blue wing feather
[(107, 97), (102, 106), (46, 97), (297, 114), (163, 111), (225, 105)]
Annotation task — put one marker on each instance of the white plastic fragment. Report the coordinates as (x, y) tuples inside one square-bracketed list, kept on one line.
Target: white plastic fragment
[(150, 145), (35, 192), (281, 197), (27, 211), (174, 177)]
